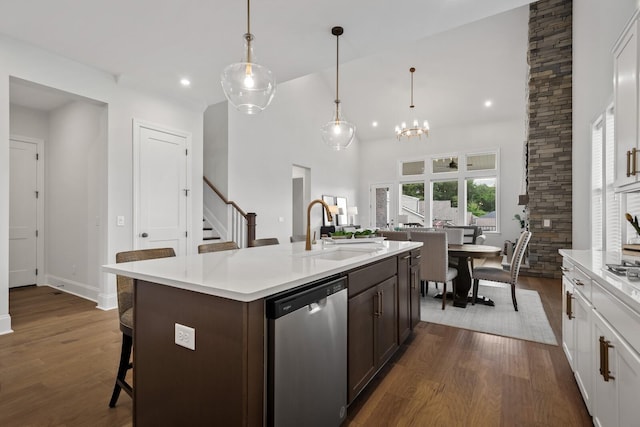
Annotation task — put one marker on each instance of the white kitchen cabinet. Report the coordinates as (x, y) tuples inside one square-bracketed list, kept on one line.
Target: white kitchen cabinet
[(576, 326), (583, 355), (617, 378), (625, 87), (604, 329), (568, 320)]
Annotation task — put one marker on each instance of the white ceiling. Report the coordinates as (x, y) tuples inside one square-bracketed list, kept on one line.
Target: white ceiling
[(153, 43)]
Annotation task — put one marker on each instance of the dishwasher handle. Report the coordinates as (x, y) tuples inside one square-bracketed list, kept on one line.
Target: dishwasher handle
[(290, 301)]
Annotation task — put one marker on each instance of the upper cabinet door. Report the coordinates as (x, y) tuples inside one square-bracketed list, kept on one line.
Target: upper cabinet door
[(625, 63)]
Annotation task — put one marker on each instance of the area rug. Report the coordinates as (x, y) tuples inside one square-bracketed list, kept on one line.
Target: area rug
[(529, 323)]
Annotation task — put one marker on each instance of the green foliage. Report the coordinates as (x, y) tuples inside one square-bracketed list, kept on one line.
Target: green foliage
[(414, 190), (481, 197), (447, 190)]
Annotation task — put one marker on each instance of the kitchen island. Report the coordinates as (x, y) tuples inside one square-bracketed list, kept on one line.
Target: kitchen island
[(222, 296)]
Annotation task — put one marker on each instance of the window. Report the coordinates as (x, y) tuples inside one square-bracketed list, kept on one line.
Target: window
[(444, 203), (481, 203), (412, 202), (444, 164), (597, 220), (454, 189), (413, 168), (612, 215)]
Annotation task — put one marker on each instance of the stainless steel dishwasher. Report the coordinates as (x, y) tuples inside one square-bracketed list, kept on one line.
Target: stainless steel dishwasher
[(307, 355)]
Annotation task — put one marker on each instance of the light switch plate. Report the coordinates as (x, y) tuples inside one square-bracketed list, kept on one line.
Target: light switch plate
[(185, 336), (546, 223), (120, 221)]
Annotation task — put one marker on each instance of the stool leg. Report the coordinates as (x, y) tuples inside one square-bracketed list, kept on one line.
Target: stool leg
[(125, 355)]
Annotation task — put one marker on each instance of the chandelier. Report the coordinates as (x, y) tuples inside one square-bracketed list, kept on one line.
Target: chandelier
[(415, 129), (248, 86)]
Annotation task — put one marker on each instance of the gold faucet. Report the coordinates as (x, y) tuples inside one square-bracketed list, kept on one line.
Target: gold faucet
[(329, 217)]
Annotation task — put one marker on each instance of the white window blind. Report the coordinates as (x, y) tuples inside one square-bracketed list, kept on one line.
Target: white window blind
[(612, 214), (597, 217)]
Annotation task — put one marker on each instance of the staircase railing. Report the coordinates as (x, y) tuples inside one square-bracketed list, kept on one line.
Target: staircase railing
[(241, 224)]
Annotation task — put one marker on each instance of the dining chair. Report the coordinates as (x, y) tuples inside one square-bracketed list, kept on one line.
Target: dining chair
[(125, 312), (266, 241), (471, 233), (494, 274), (455, 236), (434, 261), (401, 236), (216, 247)]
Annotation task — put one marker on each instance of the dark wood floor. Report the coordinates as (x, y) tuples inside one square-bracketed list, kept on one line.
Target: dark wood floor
[(447, 376), (58, 368)]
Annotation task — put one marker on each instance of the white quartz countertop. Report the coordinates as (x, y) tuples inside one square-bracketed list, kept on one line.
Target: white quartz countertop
[(253, 273), (594, 263)]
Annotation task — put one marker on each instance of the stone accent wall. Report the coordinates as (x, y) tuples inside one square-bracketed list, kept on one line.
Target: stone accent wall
[(550, 136)]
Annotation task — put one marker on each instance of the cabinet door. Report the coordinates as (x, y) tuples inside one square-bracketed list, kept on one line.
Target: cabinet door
[(583, 348), (415, 295), (617, 378), (387, 320), (362, 341), (568, 322), (404, 297), (625, 86)]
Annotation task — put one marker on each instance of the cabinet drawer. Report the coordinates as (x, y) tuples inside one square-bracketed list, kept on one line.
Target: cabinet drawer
[(365, 277), (415, 257), (579, 278), (624, 320)]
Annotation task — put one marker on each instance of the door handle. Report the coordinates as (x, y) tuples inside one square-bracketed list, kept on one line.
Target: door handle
[(628, 163), (143, 235)]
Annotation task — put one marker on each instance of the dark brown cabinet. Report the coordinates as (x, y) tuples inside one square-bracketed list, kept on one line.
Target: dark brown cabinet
[(404, 296), (414, 288), (373, 321), (408, 293)]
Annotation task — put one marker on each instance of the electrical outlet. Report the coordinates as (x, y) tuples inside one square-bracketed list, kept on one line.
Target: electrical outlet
[(185, 336)]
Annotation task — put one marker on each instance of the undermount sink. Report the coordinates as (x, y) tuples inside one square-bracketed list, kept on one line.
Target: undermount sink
[(336, 253)]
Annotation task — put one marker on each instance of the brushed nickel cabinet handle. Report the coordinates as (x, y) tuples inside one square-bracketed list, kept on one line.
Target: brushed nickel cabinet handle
[(634, 158)]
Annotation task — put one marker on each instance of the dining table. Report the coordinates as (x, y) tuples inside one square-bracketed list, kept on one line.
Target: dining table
[(464, 253)]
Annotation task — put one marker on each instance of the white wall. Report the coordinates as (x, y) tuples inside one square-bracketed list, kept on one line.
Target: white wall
[(77, 132), (596, 26), (216, 150), (29, 122), (380, 159), (262, 150), (29, 63)]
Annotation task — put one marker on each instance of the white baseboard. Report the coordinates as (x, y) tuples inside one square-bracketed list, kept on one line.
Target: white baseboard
[(107, 301), (5, 324), (78, 289)]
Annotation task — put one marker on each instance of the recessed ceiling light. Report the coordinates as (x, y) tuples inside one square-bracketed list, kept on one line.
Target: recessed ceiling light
[(374, 124), (488, 103), (185, 82)]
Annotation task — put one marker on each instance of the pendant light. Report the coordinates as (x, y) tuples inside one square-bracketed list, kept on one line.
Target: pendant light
[(338, 133), (416, 129), (248, 86)]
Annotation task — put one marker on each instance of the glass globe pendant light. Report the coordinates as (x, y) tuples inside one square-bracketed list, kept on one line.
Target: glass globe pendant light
[(338, 133), (248, 86)]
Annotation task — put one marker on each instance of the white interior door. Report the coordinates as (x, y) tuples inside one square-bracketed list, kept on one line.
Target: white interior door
[(23, 213), (162, 192)]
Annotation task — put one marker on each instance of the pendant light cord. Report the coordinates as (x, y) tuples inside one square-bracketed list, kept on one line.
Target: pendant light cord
[(412, 70), (248, 36), (337, 75)]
